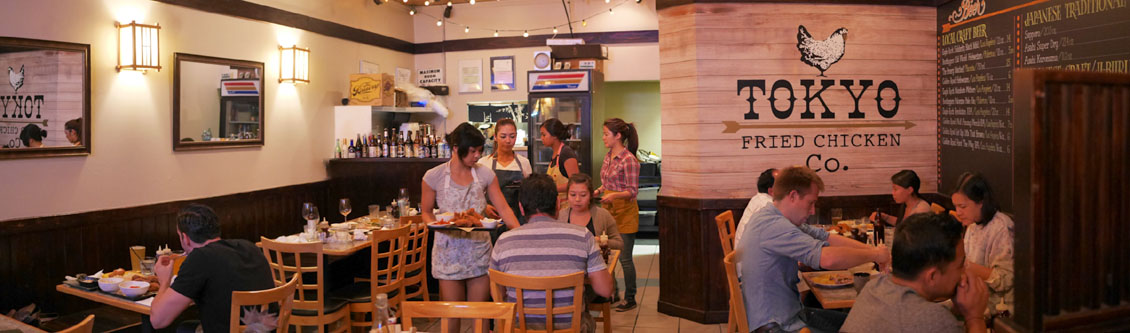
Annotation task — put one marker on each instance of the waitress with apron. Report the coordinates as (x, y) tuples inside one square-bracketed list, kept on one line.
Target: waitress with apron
[(509, 168), (460, 259), (620, 183), (564, 162)]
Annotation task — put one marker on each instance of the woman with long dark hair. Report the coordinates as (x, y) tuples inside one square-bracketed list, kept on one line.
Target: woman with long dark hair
[(563, 164), (988, 238), (904, 189), (620, 184), (460, 259)]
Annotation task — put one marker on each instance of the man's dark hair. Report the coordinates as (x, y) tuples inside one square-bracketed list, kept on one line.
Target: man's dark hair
[(538, 194), (765, 181), (464, 137), (975, 187), (922, 241), (199, 223)]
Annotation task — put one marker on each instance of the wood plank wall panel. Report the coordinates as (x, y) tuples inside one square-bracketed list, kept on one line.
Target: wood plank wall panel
[(1071, 184), (706, 48), (36, 253)]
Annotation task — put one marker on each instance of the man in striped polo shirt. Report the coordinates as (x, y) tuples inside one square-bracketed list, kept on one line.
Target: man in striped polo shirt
[(545, 247)]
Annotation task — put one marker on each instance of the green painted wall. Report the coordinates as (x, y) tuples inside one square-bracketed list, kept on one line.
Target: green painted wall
[(635, 102)]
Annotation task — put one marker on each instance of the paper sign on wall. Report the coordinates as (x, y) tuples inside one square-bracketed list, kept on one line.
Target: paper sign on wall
[(429, 77)]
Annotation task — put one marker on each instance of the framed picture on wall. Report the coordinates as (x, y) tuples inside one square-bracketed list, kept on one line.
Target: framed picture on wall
[(471, 76), (502, 73)]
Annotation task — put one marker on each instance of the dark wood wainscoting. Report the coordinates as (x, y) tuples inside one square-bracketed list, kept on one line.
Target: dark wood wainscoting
[(36, 253), (367, 181), (692, 281)]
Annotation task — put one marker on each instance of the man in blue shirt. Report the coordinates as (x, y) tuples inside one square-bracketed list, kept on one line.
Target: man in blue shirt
[(776, 240)]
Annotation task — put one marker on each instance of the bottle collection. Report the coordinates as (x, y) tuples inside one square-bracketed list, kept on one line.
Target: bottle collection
[(392, 143)]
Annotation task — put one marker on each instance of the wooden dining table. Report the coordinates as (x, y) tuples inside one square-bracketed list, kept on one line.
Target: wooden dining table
[(831, 298), (9, 324), (141, 308)]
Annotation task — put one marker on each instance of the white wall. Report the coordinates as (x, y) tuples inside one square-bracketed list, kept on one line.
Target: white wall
[(627, 62), (132, 162)]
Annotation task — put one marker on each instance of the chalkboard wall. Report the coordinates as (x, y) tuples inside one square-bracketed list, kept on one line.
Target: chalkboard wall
[(982, 42)]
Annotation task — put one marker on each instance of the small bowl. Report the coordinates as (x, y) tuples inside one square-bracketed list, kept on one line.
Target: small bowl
[(490, 224), (109, 284), (89, 282), (134, 288)]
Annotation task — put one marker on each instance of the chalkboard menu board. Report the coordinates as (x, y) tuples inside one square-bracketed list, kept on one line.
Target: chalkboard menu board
[(982, 42)]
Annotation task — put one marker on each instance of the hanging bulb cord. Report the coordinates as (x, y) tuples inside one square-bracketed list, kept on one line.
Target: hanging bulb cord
[(567, 19)]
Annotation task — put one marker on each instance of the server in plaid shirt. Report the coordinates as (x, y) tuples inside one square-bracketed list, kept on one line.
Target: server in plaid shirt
[(620, 175)]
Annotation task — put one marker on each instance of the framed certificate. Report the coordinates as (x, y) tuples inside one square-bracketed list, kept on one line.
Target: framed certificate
[(502, 73)]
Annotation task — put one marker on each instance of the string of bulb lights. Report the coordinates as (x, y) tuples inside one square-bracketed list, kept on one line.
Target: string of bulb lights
[(525, 32)]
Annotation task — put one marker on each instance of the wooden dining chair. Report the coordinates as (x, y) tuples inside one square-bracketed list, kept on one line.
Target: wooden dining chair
[(501, 313), (604, 304), (310, 307), (738, 321), (282, 295), (85, 326), (501, 282), (726, 230), (386, 276), (415, 263)]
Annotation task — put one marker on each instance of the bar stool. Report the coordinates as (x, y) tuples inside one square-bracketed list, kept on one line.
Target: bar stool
[(386, 277), (311, 306)]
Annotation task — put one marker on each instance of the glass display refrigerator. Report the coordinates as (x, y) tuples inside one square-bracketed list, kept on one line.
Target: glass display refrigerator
[(239, 109), (569, 96)]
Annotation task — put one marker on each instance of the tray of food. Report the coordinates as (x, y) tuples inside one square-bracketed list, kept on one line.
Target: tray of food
[(120, 283), (832, 280), (452, 221)]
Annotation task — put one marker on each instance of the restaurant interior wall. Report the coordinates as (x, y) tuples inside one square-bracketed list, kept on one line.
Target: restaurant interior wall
[(627, 62), (636, 102), (132, 162)]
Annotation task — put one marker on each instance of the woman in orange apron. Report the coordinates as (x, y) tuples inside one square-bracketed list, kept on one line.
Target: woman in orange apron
[(564, 161), (619, 177)]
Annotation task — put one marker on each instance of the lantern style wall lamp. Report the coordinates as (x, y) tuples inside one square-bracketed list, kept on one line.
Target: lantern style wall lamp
[(294, 64), (138, 46)]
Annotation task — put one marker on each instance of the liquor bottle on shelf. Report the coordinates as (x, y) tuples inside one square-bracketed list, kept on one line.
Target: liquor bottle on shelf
[(352, 152), (416, 146), (373, 146), (337, 148), (427, 148), (399, 146), (384, 144), (435, 148)]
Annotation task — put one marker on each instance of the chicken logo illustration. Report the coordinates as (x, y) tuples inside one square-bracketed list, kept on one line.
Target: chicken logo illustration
[(821, 53), (16, 79)]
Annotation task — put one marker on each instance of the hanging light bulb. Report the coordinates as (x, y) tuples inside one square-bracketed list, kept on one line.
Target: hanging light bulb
[(449, 3), (412, 11), (584, 23), (405, 1), (439, 23), (610, 11), (496, 33), (555, 30), (473, 2), (607, 1), (466, 29), (426, 3), (525, 34)]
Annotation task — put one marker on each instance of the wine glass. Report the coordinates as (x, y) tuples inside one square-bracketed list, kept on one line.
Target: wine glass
[(402, 202), (344, 207), (310, 213)]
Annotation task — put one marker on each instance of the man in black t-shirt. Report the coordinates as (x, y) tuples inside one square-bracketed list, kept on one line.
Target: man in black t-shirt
[(213, 269)]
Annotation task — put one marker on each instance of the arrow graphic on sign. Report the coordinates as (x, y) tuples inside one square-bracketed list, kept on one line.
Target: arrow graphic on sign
[(734, 127), (25, 122)]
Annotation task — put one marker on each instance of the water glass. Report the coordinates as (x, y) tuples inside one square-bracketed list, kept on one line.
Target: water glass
[(837, 215), (147, 265), (374, 210)]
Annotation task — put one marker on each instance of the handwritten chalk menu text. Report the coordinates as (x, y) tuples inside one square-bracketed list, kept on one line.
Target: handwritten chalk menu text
[(982, 42)]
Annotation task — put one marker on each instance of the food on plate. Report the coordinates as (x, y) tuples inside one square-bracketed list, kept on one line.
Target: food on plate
[(833, 279), (116, 273), (468, 217)]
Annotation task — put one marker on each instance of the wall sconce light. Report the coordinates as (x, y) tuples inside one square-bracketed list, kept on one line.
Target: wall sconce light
[(138, 46), (294, 64)]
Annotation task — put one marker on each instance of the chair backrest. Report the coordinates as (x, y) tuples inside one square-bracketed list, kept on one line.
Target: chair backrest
[(613, 259), (937, 209), (416, 259), (726, 230), (550, 285), (289, 259), (261, 302), (85, 326), (737, 304), (501, 313), (387, 269)]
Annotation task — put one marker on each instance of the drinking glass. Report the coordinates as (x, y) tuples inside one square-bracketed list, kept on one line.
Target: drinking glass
[(310, 213), (374, 210), (178, 259), (136, 253), (837, 215), (147, 265), (344, 207), (402, 202)]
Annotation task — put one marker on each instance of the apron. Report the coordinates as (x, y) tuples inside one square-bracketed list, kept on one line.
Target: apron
[(626, 212), (460, 255), (509, 181), (558, 178)]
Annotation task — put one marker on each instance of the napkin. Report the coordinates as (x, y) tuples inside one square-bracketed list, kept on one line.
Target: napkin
[(359, 234)]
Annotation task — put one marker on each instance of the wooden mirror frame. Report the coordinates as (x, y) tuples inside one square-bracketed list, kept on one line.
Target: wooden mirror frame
[(83, 150), (182, 146)]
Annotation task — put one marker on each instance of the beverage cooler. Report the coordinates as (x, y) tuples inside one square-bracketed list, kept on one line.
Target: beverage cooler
[(569, 96)]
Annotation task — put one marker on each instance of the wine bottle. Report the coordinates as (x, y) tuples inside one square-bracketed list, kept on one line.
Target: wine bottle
[(384, 143), (399, 146), (372, 146), (416, 146), (352, 152), (337, 148)]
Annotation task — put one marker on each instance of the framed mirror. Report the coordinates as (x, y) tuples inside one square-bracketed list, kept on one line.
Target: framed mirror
[(217, 102), (45, 101)]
